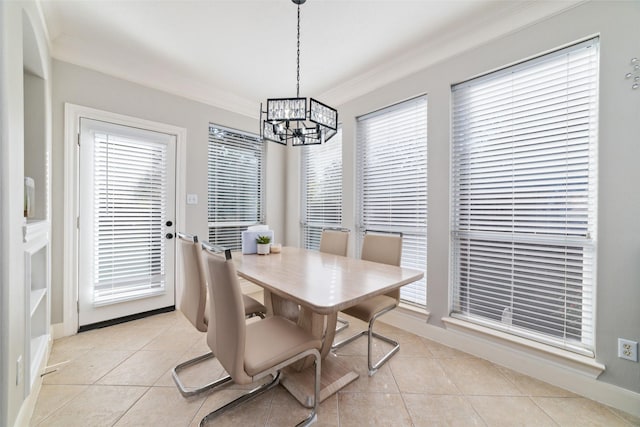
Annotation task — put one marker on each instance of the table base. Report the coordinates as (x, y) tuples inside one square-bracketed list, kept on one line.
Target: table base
[(335, 374)]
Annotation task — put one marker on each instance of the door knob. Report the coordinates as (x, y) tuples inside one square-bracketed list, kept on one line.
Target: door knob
[(169, 235)]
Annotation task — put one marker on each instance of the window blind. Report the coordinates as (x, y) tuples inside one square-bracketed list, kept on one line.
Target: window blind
[(322, 189), (235, 184), (524, 198), (392, 182), (130, 198)]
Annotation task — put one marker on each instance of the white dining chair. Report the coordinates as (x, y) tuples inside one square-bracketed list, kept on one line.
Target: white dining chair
[(194, 304), (387, 249), (252, 351), (336, 241)]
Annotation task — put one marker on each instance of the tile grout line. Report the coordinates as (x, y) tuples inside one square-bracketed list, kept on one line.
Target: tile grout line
[(86, 386), (404, 403), (464, 395), (131, 406)]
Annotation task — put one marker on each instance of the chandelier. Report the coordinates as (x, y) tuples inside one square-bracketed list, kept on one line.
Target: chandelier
[(295, 119)]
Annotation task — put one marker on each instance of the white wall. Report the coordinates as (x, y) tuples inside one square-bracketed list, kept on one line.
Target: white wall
[(618, 269), (12, 298), (89, 88)]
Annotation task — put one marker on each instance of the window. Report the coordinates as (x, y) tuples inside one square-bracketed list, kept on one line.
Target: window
[(321, 189), (524, 198), (392, 182), (235, 185)]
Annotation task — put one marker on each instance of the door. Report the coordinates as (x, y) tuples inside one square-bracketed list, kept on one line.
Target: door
[(126, 221)]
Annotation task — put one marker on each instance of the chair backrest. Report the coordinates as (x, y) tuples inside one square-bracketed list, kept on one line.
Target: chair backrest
[(333, 241), (193, 301), (227, 329), (385, 249)]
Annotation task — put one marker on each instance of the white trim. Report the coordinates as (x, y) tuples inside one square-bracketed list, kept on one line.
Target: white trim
[(72, 114), (482, 30), (581, 364), (521, 359), (57, 331), (29, 404)]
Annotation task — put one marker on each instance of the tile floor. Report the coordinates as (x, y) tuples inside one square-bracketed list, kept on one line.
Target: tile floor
[(120, 376)]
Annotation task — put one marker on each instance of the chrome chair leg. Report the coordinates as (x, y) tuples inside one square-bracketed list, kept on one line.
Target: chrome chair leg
[(181, 387), (396, 346), (313, 416), (344, 324), (373, 368), (245, 397)]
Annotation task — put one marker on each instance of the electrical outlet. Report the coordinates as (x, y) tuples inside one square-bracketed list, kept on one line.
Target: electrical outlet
[(192, 199), (628, 349), (19, 371)]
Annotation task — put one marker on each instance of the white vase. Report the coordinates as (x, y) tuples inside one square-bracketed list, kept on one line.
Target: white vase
[(263, 248)]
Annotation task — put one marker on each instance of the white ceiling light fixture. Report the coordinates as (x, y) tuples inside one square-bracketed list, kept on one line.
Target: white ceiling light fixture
[(295, 119)]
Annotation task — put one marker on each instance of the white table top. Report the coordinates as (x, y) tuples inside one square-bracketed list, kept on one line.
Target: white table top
[(323, 282)]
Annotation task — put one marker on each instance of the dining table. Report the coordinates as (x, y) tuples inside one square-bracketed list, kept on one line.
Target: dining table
[(310, 288)]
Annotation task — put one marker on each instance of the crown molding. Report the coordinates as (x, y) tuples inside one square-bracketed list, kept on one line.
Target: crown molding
[(482, 30), (82, 53)]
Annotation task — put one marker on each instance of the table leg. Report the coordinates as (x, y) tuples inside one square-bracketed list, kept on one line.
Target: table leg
[(335, 375), (320, 325), (281, 306), (298, 379)]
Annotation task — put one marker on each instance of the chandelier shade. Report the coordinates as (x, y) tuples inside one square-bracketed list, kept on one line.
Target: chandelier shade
[(295, 119)]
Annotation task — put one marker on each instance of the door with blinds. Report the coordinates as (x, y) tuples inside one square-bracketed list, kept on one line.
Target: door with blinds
[(126, 221)]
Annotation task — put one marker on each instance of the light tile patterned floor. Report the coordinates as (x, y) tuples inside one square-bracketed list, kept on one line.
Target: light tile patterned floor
[(120, 376)]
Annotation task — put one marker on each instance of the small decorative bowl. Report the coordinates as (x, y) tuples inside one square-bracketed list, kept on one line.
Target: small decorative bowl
[(276, 248)]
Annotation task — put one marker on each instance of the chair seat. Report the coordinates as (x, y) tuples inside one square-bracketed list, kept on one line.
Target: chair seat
[(272, 341), (251, 306), (369, 308)]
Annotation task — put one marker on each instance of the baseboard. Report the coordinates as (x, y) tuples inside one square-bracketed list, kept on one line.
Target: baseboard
[(524, 362), (29, 404), (57, 331)]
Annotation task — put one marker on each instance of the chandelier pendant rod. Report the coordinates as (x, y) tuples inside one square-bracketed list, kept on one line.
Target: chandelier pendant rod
[(298, 57), (301, 121)]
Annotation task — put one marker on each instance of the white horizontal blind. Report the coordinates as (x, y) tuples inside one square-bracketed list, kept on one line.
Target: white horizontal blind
[(392, 182), (130, 198), (524, 198), (235, 185), (322, 189)]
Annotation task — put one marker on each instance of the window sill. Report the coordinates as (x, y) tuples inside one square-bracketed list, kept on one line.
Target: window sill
[(583, 364), (408, 317), (413, 311)]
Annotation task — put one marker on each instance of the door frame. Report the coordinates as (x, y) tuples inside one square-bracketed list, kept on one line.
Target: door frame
[(72, 115)]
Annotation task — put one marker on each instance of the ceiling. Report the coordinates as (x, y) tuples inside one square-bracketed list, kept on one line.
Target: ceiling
[(235, 53)]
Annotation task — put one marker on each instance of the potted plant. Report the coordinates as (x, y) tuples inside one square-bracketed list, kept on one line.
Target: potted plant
[(263, 245)]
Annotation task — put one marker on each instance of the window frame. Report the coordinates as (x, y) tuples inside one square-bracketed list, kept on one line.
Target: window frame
[(310, 231), (524, 238), (237, 225), (415, 240)]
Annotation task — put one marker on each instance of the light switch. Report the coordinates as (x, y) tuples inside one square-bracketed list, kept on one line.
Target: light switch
[(192, 199)]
